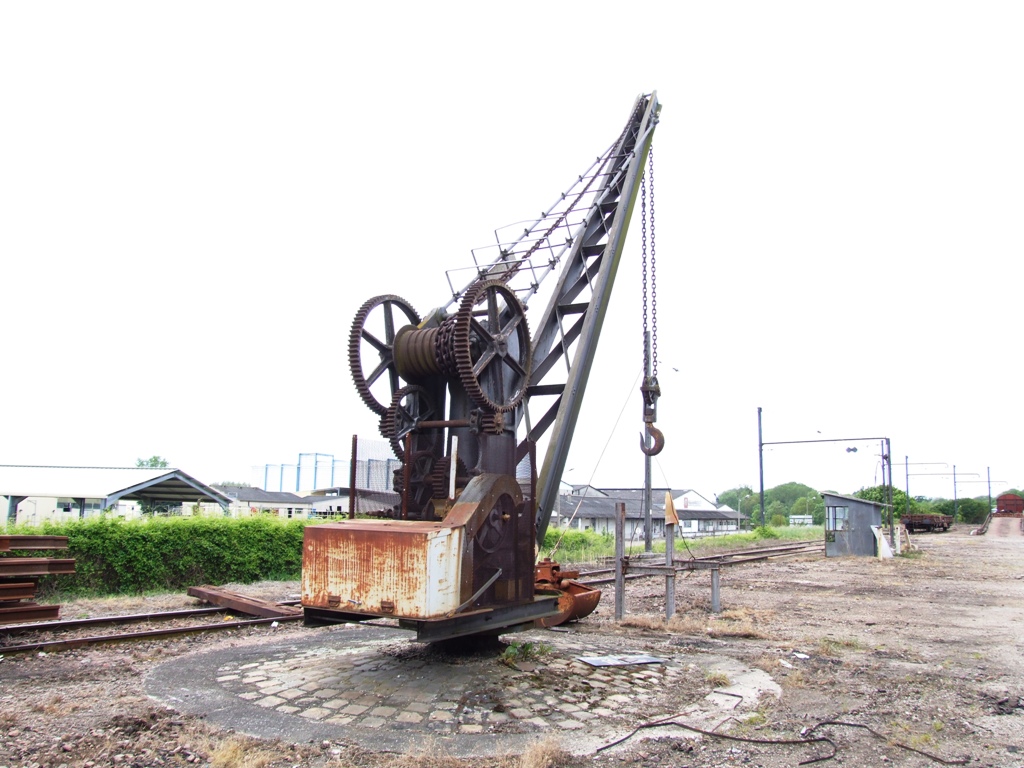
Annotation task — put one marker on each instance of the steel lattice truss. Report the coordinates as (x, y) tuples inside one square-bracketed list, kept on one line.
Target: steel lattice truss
[(579, 240)]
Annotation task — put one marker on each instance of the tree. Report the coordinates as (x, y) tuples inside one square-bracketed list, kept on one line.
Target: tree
[(879, 494), (810, 505), (774, 511), (787, 493), (735, 497), (152, 461), (972, 511)]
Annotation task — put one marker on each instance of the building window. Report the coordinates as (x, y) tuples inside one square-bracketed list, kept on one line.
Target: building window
[(836, 518)]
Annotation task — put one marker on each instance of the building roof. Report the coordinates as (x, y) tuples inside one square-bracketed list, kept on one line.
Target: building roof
[(156, 485), (593, 506), (248, 494), (827, 496)]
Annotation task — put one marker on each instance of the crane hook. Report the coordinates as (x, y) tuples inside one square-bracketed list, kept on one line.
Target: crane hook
[(659, 440)]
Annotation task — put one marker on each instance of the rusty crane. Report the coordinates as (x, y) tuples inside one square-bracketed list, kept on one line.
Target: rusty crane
[(465, 396)]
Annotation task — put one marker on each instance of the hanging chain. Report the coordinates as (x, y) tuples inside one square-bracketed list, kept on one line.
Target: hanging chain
[(653, 441), (654, 280), (643, 261)]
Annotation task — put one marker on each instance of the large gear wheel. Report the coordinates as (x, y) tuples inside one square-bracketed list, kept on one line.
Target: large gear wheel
[(409, 406), (492, 346), (421, 483), (373, 331), (442, 479)]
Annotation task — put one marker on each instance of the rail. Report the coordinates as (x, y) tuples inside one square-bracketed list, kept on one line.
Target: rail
[(80, 641)]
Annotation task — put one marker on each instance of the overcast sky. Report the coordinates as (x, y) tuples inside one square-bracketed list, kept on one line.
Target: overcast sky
[(195, 198)]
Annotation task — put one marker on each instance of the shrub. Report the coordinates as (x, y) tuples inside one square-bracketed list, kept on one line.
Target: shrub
[(114, 556)]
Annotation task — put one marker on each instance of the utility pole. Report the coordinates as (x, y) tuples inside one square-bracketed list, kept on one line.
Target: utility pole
[(760, 460)]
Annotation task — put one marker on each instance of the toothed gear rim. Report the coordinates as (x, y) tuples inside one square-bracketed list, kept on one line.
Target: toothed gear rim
[(441, 476), (385, 348), (409, 406), (483, 351)]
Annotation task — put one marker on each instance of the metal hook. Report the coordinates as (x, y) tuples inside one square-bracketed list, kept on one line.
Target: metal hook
[(659, 441)]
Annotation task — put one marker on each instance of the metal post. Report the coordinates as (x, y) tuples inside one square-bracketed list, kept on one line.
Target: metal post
[(760, 460), (670, 579), (887, 458), (352, 479), (716, 601), (620, 556), (988, 473), (954, 493)]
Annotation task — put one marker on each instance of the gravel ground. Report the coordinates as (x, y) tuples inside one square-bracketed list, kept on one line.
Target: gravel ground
[(921, 658)]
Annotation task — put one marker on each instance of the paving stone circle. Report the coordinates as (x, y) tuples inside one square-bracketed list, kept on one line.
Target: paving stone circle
[(396, 687)]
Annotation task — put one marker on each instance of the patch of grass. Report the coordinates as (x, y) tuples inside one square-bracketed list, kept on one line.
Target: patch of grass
[(238, 752), (795, 679), (755, 719), (828, 646), (544, 754), (911, 554), (644, 621), (526, 651), (717, 679)]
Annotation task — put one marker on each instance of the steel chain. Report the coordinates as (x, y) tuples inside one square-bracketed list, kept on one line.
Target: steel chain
[(643, 262), (654, 280)]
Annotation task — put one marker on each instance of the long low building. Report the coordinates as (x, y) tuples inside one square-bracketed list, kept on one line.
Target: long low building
[(593, 509), (36, 494)]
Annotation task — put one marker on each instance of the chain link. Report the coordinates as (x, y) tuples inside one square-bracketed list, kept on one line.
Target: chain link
[(643, 258), (654, 280)]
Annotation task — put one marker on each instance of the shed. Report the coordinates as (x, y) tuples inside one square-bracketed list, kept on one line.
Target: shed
[(1009, 505), (848, 525), (77, 490)]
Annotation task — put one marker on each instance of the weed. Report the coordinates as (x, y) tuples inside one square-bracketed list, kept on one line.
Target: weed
[(526, 651), (544, 754), (828, 646), (240, 753), (717, 680), (755, 719)]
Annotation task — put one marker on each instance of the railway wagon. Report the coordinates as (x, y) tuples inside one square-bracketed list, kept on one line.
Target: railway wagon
[(1009, 505), (927, 522)]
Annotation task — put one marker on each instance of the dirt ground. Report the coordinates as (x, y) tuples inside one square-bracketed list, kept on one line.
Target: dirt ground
[(912, 661)]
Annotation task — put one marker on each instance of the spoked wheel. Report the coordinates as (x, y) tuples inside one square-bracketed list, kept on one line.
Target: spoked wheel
[(409, 406), (492, 346), (371, 349)]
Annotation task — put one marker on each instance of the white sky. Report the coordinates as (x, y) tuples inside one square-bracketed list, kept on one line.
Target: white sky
[(196, 197)]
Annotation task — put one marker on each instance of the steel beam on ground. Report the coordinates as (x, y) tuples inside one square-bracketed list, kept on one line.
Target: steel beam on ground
[(7, 543), (17, 590), (35, 566), (19, 612)]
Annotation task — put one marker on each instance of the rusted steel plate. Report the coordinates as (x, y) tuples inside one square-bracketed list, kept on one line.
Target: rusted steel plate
[(13, 614), (408, 569), (34, 566), (17, 590), (250, 606), (7, 543)]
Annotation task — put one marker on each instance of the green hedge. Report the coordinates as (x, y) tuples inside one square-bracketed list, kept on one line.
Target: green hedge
[(113, 556)]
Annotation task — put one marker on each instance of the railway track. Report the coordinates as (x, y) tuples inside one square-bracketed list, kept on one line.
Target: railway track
[(75, 633), (44, 632), (738, 557)]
